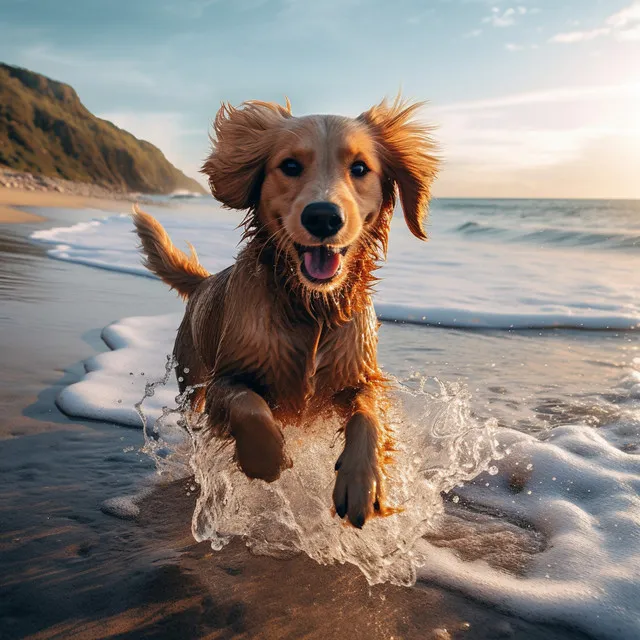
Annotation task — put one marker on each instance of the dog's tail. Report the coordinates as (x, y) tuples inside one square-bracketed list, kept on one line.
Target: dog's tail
[(181, 272)]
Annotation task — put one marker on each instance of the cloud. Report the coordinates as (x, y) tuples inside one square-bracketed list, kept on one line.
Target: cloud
[(628, 35), (626, 17), (623, 26), (600, 167), (474, 33), (580, 36), (560, 142), (556, 95), (506, 18), (511, 46)]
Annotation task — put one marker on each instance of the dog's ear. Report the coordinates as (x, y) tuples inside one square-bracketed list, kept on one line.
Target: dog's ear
[(407, 153), (241, 142)]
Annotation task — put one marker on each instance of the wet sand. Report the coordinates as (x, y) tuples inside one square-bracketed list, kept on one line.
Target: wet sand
[(14, 201), (68, 570)]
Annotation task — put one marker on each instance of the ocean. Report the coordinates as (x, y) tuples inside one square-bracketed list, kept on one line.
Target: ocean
[(512, 336)]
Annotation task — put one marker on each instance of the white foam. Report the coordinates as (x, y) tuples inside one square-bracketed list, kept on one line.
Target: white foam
[(577, 488), (451, 281), (116, 379), (584, 495)]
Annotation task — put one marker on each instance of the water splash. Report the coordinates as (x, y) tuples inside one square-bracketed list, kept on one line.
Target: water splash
[(168, 441), (440, 445)]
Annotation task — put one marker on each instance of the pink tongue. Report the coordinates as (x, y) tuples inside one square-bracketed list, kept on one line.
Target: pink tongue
[(320, 264)]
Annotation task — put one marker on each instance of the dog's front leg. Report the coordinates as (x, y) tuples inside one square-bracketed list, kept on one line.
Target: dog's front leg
[(359, 489), (239, 412)]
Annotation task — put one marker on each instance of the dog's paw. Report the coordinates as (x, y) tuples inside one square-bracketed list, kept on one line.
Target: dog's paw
[(356, 493), (260, 450)]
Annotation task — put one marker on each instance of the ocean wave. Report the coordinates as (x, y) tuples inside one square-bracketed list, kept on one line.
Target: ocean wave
[(184, 194), (612, 239), (477, 319), (449, 282)]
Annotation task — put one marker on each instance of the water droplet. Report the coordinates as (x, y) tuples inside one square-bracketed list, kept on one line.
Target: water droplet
[(528, 493), (186, 369), (529, 467), (180, 379), (493, 470), (456, 499)]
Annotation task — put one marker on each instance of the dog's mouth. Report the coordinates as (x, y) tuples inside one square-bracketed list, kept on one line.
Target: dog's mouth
[(321, 264)]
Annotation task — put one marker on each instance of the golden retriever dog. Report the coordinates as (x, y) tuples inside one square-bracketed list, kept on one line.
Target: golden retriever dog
[(288, 333)]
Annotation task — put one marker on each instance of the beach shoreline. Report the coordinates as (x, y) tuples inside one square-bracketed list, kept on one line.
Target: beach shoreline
[(71, 570), (15, 204), (20, 191)]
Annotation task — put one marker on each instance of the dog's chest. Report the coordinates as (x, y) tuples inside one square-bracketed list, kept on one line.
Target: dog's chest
[(298, 364)]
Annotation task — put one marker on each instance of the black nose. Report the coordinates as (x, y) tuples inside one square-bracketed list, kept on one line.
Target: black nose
[(322, 219)]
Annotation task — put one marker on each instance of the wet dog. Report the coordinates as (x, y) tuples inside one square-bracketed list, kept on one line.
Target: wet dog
[(289, 332)]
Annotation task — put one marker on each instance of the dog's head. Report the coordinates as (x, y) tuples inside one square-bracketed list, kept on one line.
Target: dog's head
[(322, 188)]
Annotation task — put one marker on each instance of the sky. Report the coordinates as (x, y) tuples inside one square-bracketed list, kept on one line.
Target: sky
[(535, 98)]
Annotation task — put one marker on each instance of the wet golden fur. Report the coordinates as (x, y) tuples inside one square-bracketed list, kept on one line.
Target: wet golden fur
[(272, 346)]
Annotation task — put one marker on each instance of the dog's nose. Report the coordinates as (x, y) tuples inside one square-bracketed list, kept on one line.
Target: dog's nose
[(322, 219)]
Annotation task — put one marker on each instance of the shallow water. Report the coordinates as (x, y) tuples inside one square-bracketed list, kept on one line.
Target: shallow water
[(550, 532), (517, 274)]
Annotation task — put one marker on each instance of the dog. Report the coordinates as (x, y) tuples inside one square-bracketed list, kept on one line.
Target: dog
[(288, 333)]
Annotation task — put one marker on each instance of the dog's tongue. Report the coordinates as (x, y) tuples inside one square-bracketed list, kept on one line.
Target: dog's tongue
[(321, 263)]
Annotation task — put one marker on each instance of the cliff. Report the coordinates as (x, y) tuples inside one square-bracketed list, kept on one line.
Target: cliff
[(45, 129)]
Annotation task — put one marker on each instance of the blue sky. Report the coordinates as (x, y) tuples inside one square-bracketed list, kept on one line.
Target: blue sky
[(531, 98)]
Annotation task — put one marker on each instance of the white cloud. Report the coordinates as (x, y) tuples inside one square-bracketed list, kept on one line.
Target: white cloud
[(473, 33), (510, 46), (506, 18), (580, 36), (549, 96), (599, 167), (623, 26), (555, 143), (628, 16), (628, 35), (497, 18)]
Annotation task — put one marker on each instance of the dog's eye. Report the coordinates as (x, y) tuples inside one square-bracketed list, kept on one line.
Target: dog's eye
[(291, 168), (359, 169)]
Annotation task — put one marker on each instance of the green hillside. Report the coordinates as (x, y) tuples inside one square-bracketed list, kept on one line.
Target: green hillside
[(45, 129)]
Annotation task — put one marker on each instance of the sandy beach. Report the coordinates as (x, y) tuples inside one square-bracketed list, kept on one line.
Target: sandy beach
[(14, 204), (69, 570)]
